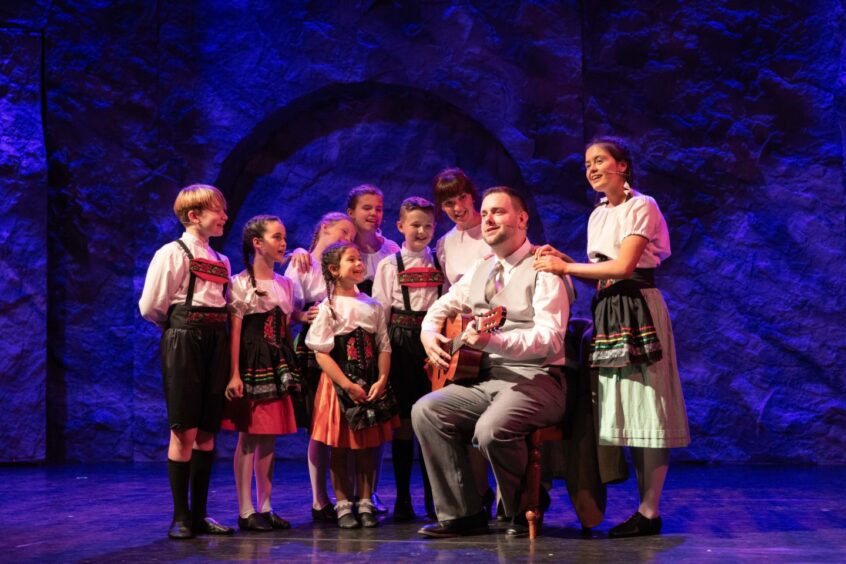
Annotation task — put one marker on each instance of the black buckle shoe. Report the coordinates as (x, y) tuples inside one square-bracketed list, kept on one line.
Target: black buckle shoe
[(209, 526), (461, 527), (636, 526)]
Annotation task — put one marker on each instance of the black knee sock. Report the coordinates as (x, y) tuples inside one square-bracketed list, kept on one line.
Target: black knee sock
[(403, 452), (427, 488), (179, 474), (201, 464)]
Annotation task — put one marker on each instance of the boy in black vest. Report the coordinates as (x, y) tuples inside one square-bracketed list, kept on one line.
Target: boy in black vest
[(406, 284), (185, 294)]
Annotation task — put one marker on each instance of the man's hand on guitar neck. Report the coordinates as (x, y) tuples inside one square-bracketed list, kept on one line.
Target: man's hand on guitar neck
[(432, 342), (472, 338)]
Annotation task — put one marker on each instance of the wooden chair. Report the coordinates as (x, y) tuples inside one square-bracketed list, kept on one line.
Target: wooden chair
[(576, 374)]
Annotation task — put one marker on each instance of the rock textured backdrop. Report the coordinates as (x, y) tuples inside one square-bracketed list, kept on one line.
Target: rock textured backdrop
[(735, 113)]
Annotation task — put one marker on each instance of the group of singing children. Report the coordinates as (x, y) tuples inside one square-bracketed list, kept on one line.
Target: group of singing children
[(228, 358)]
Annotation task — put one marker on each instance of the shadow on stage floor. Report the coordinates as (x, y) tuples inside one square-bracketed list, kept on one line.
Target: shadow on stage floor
[(119, 512)]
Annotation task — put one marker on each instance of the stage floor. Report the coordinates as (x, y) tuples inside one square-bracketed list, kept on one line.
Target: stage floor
[(119, 512)]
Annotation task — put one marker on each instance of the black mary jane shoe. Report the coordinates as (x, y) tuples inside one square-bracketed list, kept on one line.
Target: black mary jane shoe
[(636, 526), (275, 520), (461, 527), (255, 522), (180, 530), (368, 520), (403, 510), (325, 514), (209, 526), (348, 521)]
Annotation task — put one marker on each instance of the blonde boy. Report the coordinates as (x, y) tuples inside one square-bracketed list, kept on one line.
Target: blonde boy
[(185, 294)]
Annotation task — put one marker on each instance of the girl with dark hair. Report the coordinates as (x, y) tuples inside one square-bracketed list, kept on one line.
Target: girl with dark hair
[(355, 409), (455, 195), (365, 206), (264, 369), (641, 404)]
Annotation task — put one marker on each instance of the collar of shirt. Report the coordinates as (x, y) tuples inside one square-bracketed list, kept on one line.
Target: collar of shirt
[(406, 252), (191, 240), (512, 260)]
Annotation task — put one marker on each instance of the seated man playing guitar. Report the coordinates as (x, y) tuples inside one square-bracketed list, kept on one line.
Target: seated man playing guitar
[(519, 386)]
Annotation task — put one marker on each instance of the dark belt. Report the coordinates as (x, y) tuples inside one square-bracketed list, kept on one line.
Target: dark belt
[(407, 318), (180, 316)]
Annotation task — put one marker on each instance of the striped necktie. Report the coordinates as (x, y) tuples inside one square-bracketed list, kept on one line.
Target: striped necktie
[(494, 283)]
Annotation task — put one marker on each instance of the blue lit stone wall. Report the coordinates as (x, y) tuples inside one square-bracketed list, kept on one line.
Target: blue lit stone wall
[(23, 262), (734, 114)]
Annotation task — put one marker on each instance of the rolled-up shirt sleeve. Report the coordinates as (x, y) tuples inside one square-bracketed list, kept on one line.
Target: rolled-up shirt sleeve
[(546, 338), (450, 303), (166, 271)]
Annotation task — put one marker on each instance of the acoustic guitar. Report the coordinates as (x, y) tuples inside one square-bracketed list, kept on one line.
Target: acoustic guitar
[(464, 361)]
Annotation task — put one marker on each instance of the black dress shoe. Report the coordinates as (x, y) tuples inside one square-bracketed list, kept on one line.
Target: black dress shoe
[(325, 514), (180, 530), (275, 520), (255, 522), (209, 526), (461, 527), (636, 526), (403, 510)]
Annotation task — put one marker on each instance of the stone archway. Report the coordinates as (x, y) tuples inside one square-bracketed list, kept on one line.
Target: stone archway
[(302, 159)]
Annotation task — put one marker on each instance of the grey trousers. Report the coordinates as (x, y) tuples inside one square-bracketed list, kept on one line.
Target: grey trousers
[(495, 413)]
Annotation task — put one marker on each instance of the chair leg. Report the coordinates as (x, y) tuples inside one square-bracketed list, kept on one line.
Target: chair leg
[(534, 517)]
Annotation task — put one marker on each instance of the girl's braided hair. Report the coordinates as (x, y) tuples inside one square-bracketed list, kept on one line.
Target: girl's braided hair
[(332, 257), (255, 228)]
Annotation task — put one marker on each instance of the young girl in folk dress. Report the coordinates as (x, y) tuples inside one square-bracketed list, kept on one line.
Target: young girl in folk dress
[(263, 369), (365, 205), (332, 227), (354, 408), (640, 397)]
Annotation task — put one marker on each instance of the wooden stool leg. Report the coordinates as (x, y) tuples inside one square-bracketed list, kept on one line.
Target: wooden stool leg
[(533, 514)]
